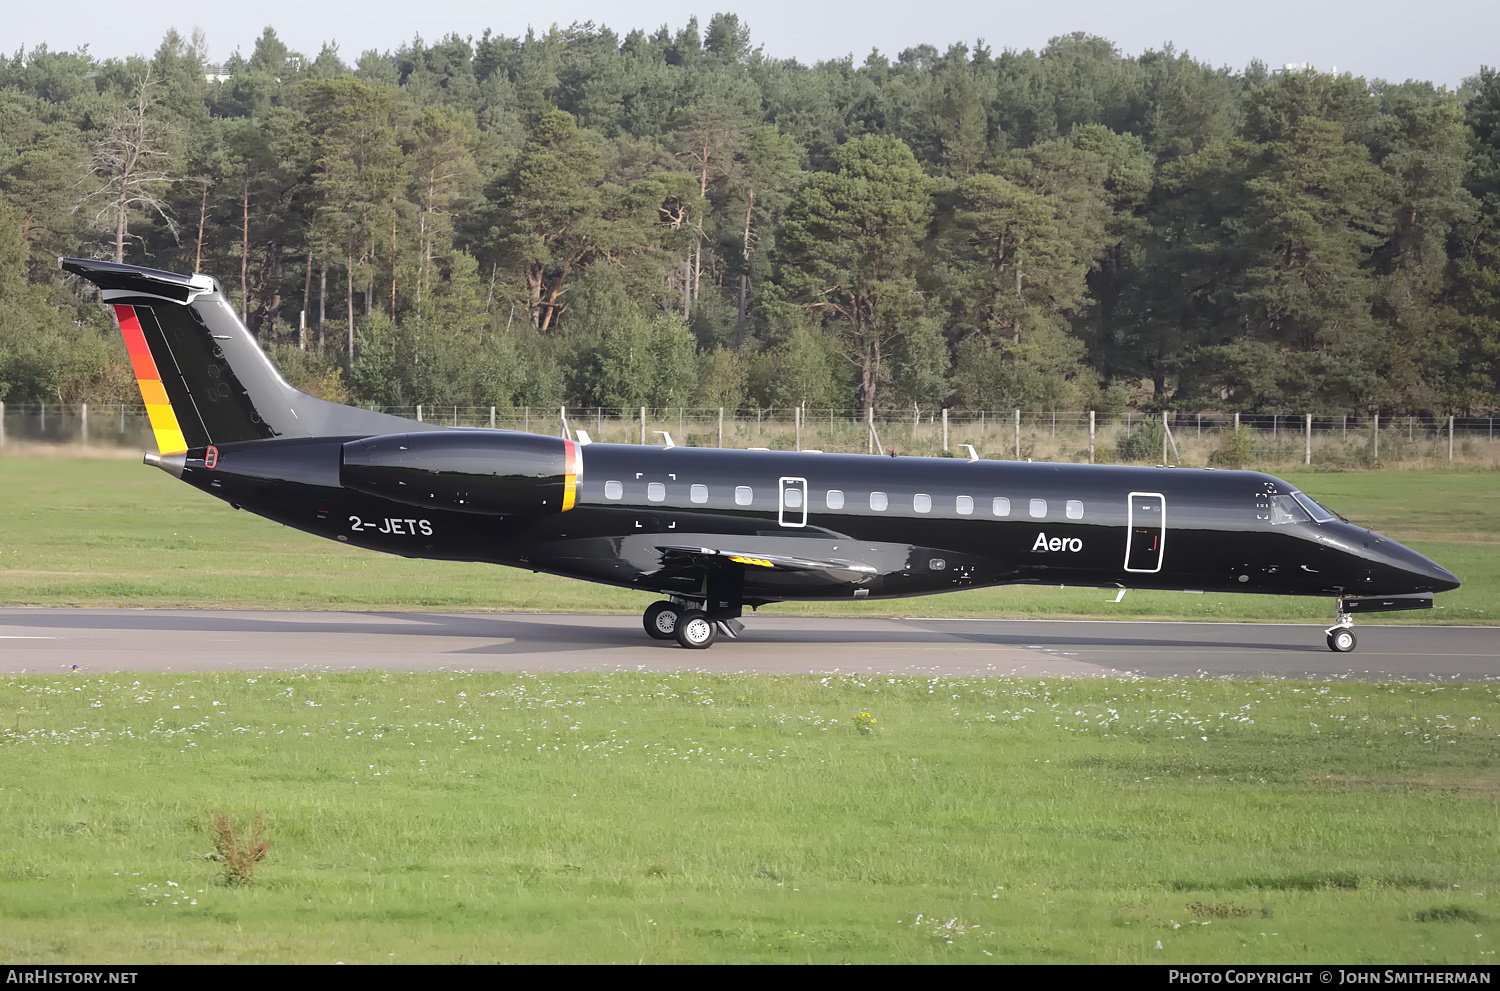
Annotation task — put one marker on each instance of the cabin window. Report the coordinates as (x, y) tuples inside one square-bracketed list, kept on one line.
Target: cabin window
[(614, 490), (878, 501), (1001, 506), (1075, 509), (742, 495), (656, 491), (965, 505), (792, 497), (698, 493), (1038, 508), (922, 502), (835, 499)]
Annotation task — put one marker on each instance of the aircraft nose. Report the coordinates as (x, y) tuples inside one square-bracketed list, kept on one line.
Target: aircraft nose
[(1426, 574), (1445, 580)]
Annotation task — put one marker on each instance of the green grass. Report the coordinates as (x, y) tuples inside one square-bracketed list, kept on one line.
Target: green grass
[(116, 533), (625, 817)]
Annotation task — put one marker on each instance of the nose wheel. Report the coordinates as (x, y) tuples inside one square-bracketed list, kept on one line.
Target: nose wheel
[(1341, 638)]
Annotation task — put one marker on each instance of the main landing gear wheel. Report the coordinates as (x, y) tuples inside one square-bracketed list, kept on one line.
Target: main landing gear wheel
[(1341, 641), (695, 630), (661, 620)]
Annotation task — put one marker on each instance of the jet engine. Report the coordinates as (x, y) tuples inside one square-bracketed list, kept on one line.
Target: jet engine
[(493, 472)]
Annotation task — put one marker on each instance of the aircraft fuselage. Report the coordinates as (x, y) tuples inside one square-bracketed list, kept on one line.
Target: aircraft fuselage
[(902, 526)]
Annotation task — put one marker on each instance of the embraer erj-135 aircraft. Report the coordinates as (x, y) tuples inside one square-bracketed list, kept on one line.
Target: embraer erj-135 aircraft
[(717, 530)]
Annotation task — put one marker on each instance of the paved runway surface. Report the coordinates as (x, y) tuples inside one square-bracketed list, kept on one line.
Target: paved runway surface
[(48, 641)]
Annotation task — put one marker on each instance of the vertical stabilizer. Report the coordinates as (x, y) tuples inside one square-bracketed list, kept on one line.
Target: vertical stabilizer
[(203, 376)]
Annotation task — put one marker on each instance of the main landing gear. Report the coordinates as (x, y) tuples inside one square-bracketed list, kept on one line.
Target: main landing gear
[(1341, 639), (688, 624)]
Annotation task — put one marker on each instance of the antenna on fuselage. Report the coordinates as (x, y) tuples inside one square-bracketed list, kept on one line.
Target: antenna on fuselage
[(666, 436), (972, 455)]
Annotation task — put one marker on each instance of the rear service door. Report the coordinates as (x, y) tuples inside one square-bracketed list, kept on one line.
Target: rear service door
[(1145, 532), (793, 507)]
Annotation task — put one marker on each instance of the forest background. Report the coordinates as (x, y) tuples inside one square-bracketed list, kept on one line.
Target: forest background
[(681, 219)]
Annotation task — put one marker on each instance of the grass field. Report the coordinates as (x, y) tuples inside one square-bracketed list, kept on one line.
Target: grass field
[(739, 818), (625, 818), (116, 533)]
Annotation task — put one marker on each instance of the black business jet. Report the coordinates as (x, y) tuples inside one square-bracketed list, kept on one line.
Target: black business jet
[(716, 530)]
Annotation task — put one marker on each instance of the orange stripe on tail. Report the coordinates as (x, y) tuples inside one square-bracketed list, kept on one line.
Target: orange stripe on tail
[(164, 425)]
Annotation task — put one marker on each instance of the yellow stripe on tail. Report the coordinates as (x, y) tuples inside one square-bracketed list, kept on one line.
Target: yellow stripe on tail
[(164, 425)]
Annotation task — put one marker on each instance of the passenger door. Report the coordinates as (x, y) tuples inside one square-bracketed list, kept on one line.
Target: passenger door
[(1145, 532)]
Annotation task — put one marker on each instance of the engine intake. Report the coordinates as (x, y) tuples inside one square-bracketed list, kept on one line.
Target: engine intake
[(493, 472)]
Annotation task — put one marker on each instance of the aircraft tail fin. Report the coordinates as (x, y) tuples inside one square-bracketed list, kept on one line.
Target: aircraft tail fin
[(203, 376)]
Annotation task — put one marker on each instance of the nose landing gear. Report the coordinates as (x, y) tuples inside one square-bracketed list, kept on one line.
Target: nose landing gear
[(1341, 638)]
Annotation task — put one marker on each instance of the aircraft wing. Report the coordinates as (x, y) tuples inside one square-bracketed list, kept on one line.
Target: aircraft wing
[(760, 559)]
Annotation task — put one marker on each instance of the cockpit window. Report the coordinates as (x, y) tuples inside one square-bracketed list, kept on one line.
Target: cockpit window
[(1285, 509), (1314, 510)]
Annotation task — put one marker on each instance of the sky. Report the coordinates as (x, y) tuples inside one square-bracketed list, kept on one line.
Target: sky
[(1375, 38)]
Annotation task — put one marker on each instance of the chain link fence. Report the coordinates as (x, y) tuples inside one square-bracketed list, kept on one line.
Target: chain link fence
[(1214, 438)]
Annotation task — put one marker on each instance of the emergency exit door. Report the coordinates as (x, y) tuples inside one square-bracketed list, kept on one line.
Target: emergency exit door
[(793, 503)]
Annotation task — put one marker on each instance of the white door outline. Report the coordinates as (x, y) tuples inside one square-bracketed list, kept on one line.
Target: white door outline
[(794, 515), (1161, 544)]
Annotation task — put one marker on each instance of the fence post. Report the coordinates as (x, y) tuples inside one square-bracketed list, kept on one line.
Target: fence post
[(1236, 423), (1091, 436), (83, 433), (455, 416), (643, 426), (122, 419), (526, 418), (1307, 443), (492, 418), (2, 424), (945, 429), (1018, 435), (1375, 432), (721, 426), (562, 423), (1163, 437), (419, 412), (1450, 437)]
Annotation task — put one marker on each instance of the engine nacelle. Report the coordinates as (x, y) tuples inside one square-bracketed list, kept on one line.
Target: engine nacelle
[(494, 472)]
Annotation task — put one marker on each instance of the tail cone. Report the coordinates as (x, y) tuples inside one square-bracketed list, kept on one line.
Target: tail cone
[(172, 464)]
